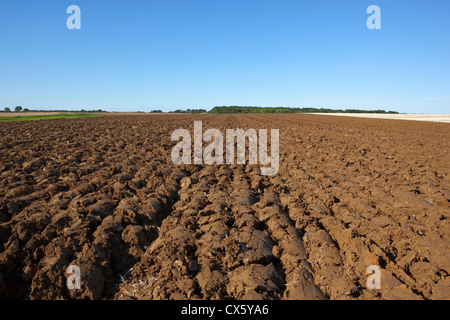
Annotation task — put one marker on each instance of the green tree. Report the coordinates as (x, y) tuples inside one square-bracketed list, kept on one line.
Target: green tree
[(7, 109), (18, 109)]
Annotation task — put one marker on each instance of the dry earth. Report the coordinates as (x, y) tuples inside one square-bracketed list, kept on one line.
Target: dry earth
[(103, 194)]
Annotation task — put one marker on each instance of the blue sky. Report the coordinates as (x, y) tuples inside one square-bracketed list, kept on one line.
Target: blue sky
[(170, 54)]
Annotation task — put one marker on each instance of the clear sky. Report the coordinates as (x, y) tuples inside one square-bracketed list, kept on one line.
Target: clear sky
[(170, 54)]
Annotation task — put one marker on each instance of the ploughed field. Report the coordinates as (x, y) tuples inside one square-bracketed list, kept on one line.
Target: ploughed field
[(103, 194)]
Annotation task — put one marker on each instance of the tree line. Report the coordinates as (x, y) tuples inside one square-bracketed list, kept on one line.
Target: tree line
[(20, 109), (238, 109), (189, 111), (16, 109), (232, 109)]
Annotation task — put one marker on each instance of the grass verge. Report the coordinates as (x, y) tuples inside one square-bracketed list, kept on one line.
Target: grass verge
[(49, 117)]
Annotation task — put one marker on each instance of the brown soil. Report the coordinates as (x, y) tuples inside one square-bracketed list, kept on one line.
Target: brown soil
[(103, 194)]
